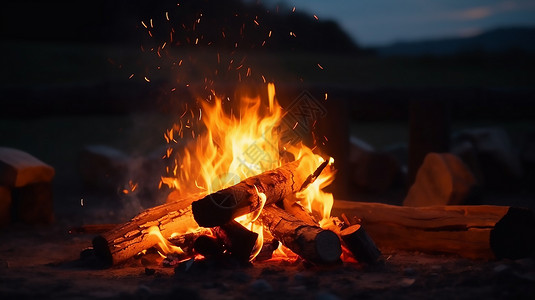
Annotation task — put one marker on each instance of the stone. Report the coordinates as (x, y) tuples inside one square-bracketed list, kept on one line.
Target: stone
[(5, 206), (498, 162), (18, 168), (102, 167), (372, 171), (443, 179)]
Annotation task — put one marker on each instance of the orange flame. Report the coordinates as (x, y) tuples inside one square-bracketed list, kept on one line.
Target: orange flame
[(230, 146)]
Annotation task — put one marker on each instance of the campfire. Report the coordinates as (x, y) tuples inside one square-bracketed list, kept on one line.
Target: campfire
[(238, 189)]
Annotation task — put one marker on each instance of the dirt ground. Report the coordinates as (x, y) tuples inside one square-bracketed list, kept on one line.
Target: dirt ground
[(44, 263)]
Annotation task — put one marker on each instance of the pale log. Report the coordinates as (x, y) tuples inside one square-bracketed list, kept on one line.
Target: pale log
[(297, 210), (469, 231), (126, 240), (223, 206), (311, 243)]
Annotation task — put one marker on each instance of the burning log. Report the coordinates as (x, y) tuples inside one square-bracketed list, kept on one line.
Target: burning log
[(238, 240), (360, 244), (208, 246), (223, 206), (126, 240), (479, 232), (297, 210), (312, 243)]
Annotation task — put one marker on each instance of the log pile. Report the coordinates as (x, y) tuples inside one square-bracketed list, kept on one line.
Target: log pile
[(219, 233), (206, 225)]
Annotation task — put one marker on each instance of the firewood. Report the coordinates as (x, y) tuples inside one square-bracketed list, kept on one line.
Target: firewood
[(126, 240), (208, 246), (33, 203), (268, 247), (312, 243), (468, 231), (238, 240), (297, 210), (360, 244), (5, 205), (18, 168), (223, 206)]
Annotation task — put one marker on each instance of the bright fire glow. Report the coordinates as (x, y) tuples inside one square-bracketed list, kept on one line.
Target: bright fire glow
[(228, 145)]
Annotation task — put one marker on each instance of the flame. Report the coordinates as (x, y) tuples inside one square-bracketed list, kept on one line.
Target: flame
[(163, 245), (227, 145)]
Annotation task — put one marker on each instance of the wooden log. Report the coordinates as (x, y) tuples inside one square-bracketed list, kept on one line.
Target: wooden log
[(208, 246), (223, 206), (126, 240), (237, 240), (360, 244), (297, 210), (33, 203), (5, 206), (268, 247), (461, 230), (312, 243), (18, 168)]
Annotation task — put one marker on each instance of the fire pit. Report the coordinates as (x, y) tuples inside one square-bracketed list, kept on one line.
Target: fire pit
[(249, 188)]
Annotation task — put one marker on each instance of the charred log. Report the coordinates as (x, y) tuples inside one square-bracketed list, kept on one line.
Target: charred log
[(223, 206), (360, 244), (312, 243), (238, 240)]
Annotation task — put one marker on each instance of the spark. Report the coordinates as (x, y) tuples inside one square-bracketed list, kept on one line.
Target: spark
[(293, 9), (163, 46), (292, 34), (151, 25), (269, 34), (326, 96), (82, 202), (200, 114), (320, 66), (143, 23), (146, 79), (295, 125), (316, 17), (131, 76), (256, 22), (167, 15)]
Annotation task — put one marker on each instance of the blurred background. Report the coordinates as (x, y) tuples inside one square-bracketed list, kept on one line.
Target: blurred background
[(117, 73)]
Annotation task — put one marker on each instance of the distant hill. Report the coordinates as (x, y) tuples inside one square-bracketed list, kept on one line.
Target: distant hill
[(501, 40), (217, 23)]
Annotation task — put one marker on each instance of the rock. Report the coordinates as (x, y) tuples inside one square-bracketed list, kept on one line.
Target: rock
[(372, 171), (443, 179), (102, 167), (467, 152), (497, 161), (18, 168), (5, 206)]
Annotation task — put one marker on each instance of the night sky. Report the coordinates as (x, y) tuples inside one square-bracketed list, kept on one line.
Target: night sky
[(379, 22)]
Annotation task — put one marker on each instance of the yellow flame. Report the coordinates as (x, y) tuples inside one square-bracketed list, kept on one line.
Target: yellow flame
[(163, 245), (234, 140)]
